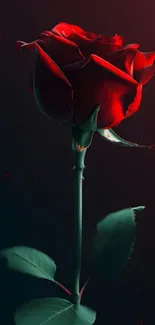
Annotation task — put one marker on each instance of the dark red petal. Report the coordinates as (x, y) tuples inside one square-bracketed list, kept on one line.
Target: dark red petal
[(74, 33), (60, 49), (102, 48), (111, 68), (133, 46), (123, 60), (52, 90), (98, 46), (51, 65), (144, 75), (143, 60), (121, 102), (75, 66), (139, 61), (128, 62), (135, 103), (115, 39), (19, 44), (46, 33), (30, 46), (66, 30), (101, 83), (149, 57)]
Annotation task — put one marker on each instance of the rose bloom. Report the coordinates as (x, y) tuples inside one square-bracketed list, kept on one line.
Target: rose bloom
[(74, 71)]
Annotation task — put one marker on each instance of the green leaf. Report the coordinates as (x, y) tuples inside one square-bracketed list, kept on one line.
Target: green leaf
[(113, 137), (54, 311), (30, 261), (113, 243)]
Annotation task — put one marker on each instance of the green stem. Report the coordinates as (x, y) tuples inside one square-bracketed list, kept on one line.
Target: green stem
[(79, 156)]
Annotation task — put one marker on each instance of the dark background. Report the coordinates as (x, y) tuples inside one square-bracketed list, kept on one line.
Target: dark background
[(39, 213)]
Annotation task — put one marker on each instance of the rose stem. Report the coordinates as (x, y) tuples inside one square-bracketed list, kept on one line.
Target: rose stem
[(78, 168)]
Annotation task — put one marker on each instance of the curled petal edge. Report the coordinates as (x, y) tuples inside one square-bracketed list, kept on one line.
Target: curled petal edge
[(51, 65)]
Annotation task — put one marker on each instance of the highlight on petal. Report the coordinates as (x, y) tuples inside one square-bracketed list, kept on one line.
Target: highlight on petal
[(20, 44), (74, 33), (99, 82), (117, 39), (66, 30), (111, 68), (128, 63), (114, 138), (132, 46), (46, 34), (139, 61), (60, 49), (30, 46), (50, 64), (52, 90)]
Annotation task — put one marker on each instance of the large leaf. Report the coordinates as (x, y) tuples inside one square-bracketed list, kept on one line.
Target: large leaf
[(113, 137), (113, 242), (30, 261), (54, 311)]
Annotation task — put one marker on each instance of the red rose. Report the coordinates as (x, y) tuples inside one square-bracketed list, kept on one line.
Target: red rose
[(76, 70)]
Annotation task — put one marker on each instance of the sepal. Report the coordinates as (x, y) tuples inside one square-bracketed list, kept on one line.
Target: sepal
[(111, 136), (91, 121)]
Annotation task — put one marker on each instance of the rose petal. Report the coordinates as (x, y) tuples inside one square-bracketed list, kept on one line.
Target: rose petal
[(139, 61), (75, 66), (133, 46), (143, 60), (98, 46), (128, 62), (105, 50), (30, 46), (52, 90), (101, 83), (46, 33), (144, 75), (67, 30), (116, 39), (60, 49), (111, 68), (19, 44), (73, 33), (124, 60), (149, 57), (121, 102)]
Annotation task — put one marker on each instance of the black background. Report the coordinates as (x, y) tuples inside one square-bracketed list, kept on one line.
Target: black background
[(39, 213)]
